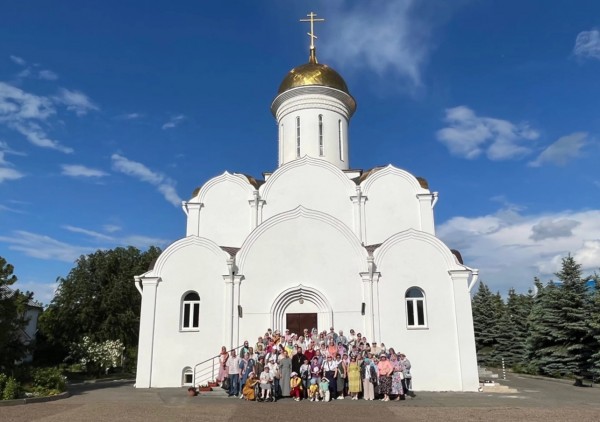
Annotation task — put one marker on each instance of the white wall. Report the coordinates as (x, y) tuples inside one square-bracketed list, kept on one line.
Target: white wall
[(191, 265), (418, 261)]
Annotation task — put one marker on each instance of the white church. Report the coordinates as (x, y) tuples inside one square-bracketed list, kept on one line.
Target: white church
[(315, 244)]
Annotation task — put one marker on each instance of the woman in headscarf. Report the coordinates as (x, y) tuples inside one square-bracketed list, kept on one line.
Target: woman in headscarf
[(244, 370), (385, 369), (341, 376), (397, 377), (354, 378), (249, 387), (249, 367), (369, 378)]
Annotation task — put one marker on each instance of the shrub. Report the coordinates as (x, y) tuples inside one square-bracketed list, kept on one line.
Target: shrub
[(3, 379), (11, 389), (49, 379)]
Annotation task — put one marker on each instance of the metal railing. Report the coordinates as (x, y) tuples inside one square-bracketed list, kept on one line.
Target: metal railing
[(208, 369)]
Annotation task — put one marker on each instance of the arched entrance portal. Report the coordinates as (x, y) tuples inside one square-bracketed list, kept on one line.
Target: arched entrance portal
[(301, 307)]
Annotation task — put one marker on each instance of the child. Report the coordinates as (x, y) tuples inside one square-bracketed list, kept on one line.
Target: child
[(324, 389), (296, 386), (313, 390)]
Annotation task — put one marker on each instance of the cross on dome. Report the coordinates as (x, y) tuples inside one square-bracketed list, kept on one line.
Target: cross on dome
[(312, 19)]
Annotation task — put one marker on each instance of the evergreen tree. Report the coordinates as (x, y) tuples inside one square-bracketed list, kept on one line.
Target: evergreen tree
[(541, 322), (594, 324), (487, 311), (559, 341), (513, 330), (575, 351)]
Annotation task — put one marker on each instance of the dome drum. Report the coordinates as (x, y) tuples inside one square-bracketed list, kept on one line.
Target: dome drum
[(313, 91), (292, 104)]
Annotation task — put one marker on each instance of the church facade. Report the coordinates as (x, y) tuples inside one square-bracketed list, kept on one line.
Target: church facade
[(314, 244)]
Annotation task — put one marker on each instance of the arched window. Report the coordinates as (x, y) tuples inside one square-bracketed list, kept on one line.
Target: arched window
[(416, 312), (298, 136), (188, 376), (190, 312), (320, 135)]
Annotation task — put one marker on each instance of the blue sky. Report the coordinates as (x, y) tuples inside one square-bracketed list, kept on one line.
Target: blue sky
[(112, 113)]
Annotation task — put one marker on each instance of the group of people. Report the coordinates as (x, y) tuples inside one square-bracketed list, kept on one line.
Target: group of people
[(315, 366)]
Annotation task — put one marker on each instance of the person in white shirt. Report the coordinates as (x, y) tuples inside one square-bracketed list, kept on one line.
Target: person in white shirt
[(330, 371), (233, 370)]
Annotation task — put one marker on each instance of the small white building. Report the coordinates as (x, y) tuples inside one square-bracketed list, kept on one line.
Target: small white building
[(315, 244)]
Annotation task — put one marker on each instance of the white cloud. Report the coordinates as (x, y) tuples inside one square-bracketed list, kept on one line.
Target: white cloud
[(130, 116), (18, 60), (562, 151), (90, 233), (111, 228), (9, 174), (76, 101), (16, 104), (76, 170), (510, 247), (6, 170), (173, 122), (143, 242), (23, 112), (587, 45), (37, 136), (47, 75), (385, 37), (164, 184), (43, 247), (469, 136)]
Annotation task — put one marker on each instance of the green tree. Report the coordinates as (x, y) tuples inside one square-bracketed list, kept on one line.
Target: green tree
[(559, 342), (594, 323), (573, 351), (13, 305), (487, 311), (513, 330), (97, 299)]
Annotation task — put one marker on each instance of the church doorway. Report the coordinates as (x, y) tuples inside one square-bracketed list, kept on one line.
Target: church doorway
[(296, 323)]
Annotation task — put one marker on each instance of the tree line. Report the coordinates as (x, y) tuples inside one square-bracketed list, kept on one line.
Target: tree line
[(553, 330)]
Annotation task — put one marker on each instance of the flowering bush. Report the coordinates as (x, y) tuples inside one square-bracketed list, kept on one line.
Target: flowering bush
[(102, 356)]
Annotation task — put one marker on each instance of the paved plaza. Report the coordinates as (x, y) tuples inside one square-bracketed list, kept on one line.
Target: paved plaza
[(529, 399)]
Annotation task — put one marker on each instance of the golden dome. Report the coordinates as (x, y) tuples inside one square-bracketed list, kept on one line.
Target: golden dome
[(313, 73)]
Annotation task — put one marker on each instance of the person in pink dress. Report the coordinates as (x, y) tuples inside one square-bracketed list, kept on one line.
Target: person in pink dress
[(223, 358)]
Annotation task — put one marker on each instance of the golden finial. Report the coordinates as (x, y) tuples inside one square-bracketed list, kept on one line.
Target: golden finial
[(312, 19)]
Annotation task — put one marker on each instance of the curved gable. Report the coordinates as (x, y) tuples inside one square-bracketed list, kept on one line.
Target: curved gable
[(392, 204), (385, 172), (189, 246), (412, 240), (304, 230), (311, 183), (225, 214)]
